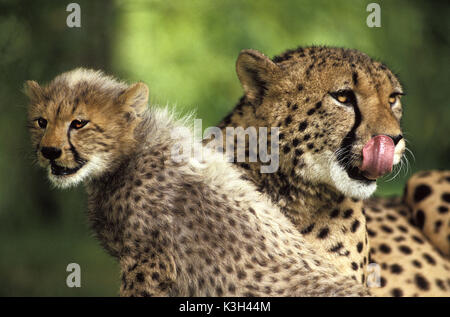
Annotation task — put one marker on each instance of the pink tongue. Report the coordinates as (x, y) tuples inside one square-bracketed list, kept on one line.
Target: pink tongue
[(378, 156)]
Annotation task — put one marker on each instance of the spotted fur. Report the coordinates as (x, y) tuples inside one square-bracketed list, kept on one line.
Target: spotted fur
[(193, 227), (318, 185), (318, 136)]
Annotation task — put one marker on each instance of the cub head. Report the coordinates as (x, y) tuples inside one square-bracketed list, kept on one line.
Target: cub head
[(82, 123), (338, 113)]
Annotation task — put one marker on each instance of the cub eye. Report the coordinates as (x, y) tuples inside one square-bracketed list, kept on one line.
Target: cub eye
[(392, 100), (346, 97), (78, 124), (42, 123)]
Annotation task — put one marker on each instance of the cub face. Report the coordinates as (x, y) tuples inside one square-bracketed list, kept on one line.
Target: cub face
[(81, 123), (337, 110)]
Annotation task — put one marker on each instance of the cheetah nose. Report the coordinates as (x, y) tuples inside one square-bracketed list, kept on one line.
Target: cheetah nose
[(378, 156), (51, 153)]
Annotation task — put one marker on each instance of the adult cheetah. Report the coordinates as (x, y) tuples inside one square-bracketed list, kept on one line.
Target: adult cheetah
[(338, 112)]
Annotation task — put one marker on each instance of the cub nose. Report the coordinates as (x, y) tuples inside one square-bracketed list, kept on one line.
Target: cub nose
[(51, 153)]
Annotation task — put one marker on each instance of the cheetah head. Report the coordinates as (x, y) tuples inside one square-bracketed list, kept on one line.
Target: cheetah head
[(81, 123), (338, 113)]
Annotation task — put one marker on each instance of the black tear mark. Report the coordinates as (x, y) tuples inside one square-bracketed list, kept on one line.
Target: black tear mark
[(355, 78)]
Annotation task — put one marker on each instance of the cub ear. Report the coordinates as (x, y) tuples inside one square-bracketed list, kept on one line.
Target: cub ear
[(33, 90), (136, 97), (254, 70)]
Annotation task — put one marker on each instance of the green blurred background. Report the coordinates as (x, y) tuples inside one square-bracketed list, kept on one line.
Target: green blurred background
[(185, 51)]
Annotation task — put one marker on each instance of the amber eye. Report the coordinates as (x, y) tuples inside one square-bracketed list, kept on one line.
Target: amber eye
[(392, 100), (342, 99), (78, 124), (345, 96), (42, 123)]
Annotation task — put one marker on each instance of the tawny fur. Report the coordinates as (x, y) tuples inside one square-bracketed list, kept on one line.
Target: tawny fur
[(178, 228), (313, 186)]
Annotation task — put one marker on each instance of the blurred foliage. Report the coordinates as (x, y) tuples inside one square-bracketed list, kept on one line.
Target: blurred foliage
[(185, 51)]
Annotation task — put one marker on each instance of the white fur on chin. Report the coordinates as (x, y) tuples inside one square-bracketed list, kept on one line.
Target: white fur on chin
[(92, 169)]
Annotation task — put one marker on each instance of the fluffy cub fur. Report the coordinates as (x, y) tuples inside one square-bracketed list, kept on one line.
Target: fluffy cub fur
[(178, 224)]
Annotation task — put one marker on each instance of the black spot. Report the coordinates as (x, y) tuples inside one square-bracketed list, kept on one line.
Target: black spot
[(386, 229), (241, 275), (319, 104), (140, 277), (405, 249), (302, 126), (295, 142), (310, 146), (429, 259), (421, 192), (286, 149), (437, 226), (396, 269), (355, 226), (354, 266), (446, 197), (417, 263), (348, 213), (417, 239), (288, 120), (311, 111), (385, 248), (334, 213), (396, 292), (391, 217), (300, 87), (359, 247), (155, 276), (421, 282), (306, 137), (442, 209), (440, 284), (323, 233), (371, 233), (308, 229), (295, 107), (420, 218), (298, 152)]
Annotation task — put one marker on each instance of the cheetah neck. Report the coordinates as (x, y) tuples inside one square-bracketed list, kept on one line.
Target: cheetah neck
[(335, 224)]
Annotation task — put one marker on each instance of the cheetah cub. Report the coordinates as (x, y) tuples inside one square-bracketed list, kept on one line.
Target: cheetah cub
[(178, 227)]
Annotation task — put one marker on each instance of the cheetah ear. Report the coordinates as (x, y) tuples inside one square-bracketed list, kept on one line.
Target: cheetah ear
[(254, 70), (136, 97), (33, 90)]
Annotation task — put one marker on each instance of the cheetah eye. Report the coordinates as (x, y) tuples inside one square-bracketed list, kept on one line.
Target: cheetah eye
[(346, 97), (78, 124), (342, 99), (394, 97), (42, 123)]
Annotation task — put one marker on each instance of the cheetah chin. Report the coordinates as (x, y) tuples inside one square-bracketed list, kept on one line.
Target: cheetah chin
[(63, 177), (325, 168)]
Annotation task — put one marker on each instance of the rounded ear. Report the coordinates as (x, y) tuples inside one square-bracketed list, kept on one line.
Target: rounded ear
[(255, 70), (33, 90), (136, 97)]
